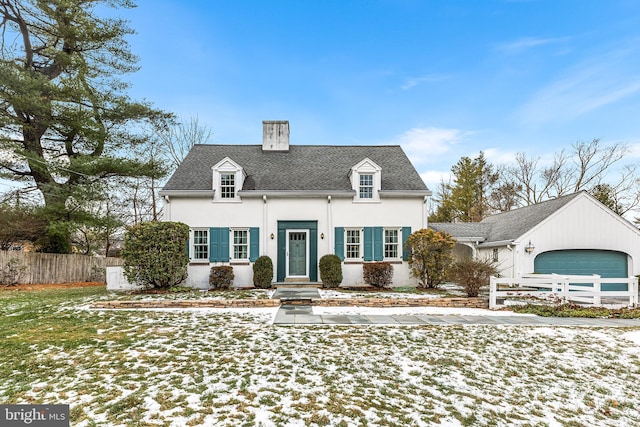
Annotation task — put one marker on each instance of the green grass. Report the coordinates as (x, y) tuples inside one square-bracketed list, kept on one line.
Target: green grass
[(216, 367), (572, 310)]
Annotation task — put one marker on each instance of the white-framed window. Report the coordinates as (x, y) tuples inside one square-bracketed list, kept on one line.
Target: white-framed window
[(227, 181), (366, 186), (240, 243), (366, 181), (200, 245), (392, 243), (228, 185), (495, 255), (353, 243)]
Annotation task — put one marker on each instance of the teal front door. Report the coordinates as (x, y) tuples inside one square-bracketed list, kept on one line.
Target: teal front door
[(297, 264), (297, 248)]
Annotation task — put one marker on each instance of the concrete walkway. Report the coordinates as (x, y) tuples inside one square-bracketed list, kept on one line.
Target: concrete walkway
[(296, 314)]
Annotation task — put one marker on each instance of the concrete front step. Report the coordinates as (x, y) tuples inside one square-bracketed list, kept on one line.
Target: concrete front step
[(297, 285)]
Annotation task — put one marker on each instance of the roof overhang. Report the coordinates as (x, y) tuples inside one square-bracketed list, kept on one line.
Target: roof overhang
[(186, 193), (468, 239), (497, 243), (403, 193), (295, 193)]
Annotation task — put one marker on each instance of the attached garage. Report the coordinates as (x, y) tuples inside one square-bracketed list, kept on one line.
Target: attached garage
[(573, 234), (607, 264)]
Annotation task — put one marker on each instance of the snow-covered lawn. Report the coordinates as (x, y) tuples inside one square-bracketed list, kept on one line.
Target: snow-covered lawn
[(233, 367)]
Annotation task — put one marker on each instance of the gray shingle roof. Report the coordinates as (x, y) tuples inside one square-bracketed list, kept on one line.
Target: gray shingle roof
[(473, 231), (506, 226), (304, 167)]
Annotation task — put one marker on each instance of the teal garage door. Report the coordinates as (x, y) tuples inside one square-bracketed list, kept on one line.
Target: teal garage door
[(585, 261)]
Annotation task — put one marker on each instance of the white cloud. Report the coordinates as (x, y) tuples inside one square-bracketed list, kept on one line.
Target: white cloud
[(496, 156), (428, 78), (424, 144), (525, 43), (434, 178), (634, 149), (587, 86)]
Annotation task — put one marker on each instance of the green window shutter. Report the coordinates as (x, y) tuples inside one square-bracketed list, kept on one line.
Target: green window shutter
[(406, 232), (219, 244), (282, 236), (224, 245), (214, 244), (368, 243), (339, 242), (254, 243), (187, 248), (378, 244)]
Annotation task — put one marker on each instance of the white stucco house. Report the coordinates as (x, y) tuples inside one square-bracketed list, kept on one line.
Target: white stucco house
[(574, 234), (295, 203)]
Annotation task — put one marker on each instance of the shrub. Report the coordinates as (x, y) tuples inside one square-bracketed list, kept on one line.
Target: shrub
[(97, 274), (155, 254), (430, 256), (12, 273), (263, 272), (330, 271), (473, 274), (221, 277), (378, 274)]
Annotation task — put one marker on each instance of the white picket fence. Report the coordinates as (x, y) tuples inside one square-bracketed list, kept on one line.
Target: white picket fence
[(578, 289)]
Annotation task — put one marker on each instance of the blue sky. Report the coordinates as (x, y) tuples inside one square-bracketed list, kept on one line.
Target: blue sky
[(444, 79)]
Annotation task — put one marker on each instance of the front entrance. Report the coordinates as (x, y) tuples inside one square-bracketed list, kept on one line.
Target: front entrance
[(297, 249)]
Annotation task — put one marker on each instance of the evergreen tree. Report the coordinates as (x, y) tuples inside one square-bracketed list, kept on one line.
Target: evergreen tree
[(467, 198), (66, 122)]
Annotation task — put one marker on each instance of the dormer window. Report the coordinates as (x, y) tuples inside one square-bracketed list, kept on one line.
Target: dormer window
[(366, 181), (227, 186), (228, 178), (366, 186)]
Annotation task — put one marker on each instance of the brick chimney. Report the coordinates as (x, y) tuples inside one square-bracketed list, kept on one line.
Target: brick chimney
[(275, 135)]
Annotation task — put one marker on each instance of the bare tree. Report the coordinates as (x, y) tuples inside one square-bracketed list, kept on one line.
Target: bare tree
[(583, 168), (179, 138), (592, 160)]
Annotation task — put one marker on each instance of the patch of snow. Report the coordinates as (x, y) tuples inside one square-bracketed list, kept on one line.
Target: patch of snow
[(390, 311), (330, 293), (633, 336)]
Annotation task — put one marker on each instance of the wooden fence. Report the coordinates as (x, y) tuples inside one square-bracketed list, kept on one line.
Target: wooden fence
[(579, 289), (58, 268)]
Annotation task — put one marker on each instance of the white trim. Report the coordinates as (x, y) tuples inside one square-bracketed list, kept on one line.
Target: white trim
[(366, 167), (192, 249), (398, 244), (360, 231), (226, 166), (306, 264), (284, 194), (232, 244)]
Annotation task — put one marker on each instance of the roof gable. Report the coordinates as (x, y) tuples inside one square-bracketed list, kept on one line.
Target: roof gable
[(226, 164), (366, 165)]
